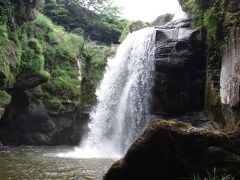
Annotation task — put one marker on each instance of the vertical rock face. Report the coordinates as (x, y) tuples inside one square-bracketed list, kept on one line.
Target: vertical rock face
[(221, 21), (230, 80), (37, 125), (180, 69), (230, 72)]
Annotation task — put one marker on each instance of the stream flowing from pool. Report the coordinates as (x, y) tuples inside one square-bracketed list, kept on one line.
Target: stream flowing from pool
[(124, 97)]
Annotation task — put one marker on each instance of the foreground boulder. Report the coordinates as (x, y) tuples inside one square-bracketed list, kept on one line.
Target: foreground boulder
[(171, 150)]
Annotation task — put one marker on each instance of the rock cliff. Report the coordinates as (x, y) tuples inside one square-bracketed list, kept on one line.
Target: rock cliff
[(180, 69), (220, 19)]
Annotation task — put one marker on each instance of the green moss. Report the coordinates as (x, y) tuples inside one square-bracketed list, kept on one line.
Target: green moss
[(194, 11), (36, 46), (93, 64), (3, 34), (5, 98), (6, 75), (57, 103), (211, 22)]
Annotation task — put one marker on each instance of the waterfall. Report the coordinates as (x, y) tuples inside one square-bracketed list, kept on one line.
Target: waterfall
[(124, 97)]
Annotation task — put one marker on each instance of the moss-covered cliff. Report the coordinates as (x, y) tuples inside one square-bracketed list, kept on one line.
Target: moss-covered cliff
[(45, 72)]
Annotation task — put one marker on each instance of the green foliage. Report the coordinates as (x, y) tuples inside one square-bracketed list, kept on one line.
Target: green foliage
[(32, 55), (35, 46), (75, 15), (113, 22), (211, 22), (3, 34), (60, 51), (57, 103), (5, 98), (105, 7), (93, 66), (6, 74), (193, 9), (56, 11), (132, 26)]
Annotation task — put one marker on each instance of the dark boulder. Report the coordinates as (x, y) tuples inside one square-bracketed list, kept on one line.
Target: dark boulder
[(172, 150), (180, 69)]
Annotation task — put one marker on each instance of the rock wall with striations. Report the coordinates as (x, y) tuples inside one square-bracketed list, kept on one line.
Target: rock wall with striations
[(230, 80)]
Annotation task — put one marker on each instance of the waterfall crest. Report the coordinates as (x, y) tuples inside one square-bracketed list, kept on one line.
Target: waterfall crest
[(123, 99)]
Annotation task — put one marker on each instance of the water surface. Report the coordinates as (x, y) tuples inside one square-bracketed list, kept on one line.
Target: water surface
[(42, 163)]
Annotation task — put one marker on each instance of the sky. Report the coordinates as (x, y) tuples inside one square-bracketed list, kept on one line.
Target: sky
[(148, 10)]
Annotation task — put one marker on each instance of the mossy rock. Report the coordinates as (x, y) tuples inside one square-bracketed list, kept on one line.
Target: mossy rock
[(28, 79), (5, 98), (174, 150)]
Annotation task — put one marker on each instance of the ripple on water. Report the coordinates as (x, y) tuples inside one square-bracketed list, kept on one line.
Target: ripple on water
[(42, 163)]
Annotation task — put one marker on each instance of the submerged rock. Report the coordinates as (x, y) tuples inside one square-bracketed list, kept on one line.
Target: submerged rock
[(171, 150)]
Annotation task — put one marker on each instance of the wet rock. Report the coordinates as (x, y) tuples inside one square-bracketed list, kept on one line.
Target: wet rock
[(180, 69), (27, 121), (173, 150)]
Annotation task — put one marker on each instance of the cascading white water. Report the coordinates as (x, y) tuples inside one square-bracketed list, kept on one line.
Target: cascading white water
[(123, 99)]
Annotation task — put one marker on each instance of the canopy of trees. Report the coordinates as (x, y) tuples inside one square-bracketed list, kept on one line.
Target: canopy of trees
[(96, 19)]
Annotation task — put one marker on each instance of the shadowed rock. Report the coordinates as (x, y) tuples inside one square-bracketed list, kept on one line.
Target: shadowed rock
[(171, 150), (180, 69)]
